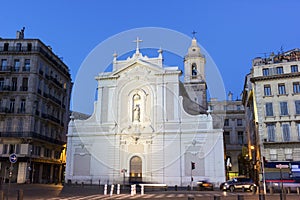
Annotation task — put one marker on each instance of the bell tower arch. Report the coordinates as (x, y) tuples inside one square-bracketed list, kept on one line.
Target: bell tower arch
[(194, 75)]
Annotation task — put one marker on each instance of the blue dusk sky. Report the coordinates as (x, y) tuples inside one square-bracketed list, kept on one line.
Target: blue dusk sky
[(233, 32)]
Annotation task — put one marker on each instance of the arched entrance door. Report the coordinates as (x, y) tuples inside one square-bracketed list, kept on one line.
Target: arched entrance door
[(135, 169)]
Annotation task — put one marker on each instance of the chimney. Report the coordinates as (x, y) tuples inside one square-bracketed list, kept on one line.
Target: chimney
[(20, 34)]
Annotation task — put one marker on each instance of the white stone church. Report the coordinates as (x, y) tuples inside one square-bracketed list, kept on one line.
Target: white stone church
[(148, 126)]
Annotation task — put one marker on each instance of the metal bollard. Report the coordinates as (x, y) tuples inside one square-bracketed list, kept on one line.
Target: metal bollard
[(142, 190), (135, 189), (105, 189), (131, 191), (271, 190), (217, 197), (20, 194), (298, 190), (240, 197), (112, 190), (118, 189)]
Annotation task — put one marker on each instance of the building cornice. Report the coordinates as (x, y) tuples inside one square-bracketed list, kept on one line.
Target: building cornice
[(274, 77)]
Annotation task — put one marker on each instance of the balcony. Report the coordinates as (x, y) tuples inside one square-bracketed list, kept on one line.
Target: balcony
[(23, 88), (21, 111), (26, 69), (9, 69), (6, 110), (33, 135), (5, 88), (50, 117), (54, 99), (44, 51)]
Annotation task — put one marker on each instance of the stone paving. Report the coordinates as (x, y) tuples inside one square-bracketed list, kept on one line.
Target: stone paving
[(59, 192)]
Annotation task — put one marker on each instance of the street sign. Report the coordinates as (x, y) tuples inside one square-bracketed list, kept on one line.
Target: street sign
[(13, 158), (282, 166)]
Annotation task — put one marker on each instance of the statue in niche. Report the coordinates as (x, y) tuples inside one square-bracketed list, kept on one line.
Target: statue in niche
[(136, 115)]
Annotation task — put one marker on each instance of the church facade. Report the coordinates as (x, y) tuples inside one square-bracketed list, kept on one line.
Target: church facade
[(148, 126)]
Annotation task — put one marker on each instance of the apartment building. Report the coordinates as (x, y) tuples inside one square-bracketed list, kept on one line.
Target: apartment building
[(229, 115), (35, 88), (272, 100)]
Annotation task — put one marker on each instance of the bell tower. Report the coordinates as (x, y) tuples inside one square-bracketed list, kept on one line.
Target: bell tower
[(194, 75)]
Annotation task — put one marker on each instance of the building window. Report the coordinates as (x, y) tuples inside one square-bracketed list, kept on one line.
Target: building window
[(286, 132), (3, 64), (227, 137), (238, 107), (19, 47), (239, 122), (273, 154), (297, 107), (47, 153), (29, 46), (26, 67), (226, 122), (279, 70), (269, 109), (267, 90), (12, 106), (1, 83), (24, 86), (36, 150), (14, 148), (294, 68), (283, 108), (225, 107), (281, 89), (14, 85), (271, 132), (296, 87), (16, 65), (240, 137), (9, 126), (266, 72), (22, 106), (57, 155), (288, 154), (5, 149), (298, 130), (5, 48)]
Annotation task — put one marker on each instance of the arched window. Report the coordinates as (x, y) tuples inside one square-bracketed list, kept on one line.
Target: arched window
[(194, 69)]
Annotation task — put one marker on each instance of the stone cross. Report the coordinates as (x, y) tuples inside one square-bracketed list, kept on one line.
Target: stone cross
[(137, 41)]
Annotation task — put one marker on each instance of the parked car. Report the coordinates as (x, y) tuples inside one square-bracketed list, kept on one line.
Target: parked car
[(205, 185), (238, 184)]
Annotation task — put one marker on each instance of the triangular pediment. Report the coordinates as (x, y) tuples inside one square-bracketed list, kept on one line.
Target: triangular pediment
[(139, 65)]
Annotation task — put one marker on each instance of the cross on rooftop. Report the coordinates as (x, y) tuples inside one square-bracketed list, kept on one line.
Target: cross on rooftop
[(137, 41)]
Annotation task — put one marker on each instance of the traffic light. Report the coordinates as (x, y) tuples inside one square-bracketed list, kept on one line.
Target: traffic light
[(193, 165)]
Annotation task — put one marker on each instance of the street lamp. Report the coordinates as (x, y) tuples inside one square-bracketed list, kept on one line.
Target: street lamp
[(30, 168), (124, 171)]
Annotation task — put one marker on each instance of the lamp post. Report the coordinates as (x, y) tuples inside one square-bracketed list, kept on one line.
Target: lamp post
[(29, 167), (124, 171)]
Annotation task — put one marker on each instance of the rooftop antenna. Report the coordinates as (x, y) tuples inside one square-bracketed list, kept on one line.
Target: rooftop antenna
[(194, 33), (281, 49)]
